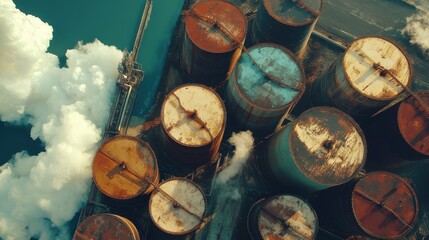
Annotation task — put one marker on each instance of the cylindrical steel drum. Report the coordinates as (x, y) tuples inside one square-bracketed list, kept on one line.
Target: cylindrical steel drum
[(286, 22), (382, 205), (123, 168), (323, 147), (282, 218), (257, 96), (178, 206), (193, 121), (214, 32), (106, 227), (405, 128), (360, 82)]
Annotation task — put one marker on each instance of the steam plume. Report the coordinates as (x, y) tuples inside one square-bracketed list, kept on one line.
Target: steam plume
[(67, 108), (418, 30), (243, 142)]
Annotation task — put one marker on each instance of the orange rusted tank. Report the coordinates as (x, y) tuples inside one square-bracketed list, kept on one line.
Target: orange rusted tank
[(286, 22), (379, 205), (402, 132), (282, 217), (214, 32), (178, 206), (125, 167), (106, 227), (362, 81), (193, 119), (323, 147)]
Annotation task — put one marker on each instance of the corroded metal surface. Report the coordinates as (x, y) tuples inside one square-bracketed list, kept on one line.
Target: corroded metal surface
[(385, 205), (413, 123), (209, 37), (122, 166), (293, 12), (214, 32), (327, 145), (193, 119), (257, 99), (288, 23), (171, 218), (283, 217), (358, 66), (106, 227), (258, 88), (360, 82)]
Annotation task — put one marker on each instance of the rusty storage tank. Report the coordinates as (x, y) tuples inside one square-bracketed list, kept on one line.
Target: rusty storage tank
[(105, 226), (178, 206), (379, 205), (282, 217), (125, 167), (193, 119), (257, 96), (215, 31), (360, 82), (286, 22), (323, 147), (406, 127)]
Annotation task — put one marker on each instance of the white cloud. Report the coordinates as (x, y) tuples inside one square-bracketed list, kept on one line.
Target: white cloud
[(418, 30), (67, 108)]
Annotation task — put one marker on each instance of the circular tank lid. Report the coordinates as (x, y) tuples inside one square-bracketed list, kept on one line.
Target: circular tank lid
[(294, 12), (414, 123), (106, 227), (121, 164), (204, 21), (287, 217), (385, 205), (171, 217), (327, 145), (193, 115), (358, 62), (275, 61)]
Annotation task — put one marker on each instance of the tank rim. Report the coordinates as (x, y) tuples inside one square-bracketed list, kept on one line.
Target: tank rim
[(178, 179), (358, 129), (294, 24), (316, 225), (232, 47), (141, 190), (189, 145), (401, 130), (284, 107), (400, 48), (415, 198)]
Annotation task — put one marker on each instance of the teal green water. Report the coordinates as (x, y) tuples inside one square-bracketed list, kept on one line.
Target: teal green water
[(113, 23)]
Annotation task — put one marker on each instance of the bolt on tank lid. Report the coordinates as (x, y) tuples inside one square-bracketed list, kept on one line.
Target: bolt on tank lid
[(327, 145), (369, 64), (182, 215), (385, 205), (121, 166), (287, 217), (193, 115), (107, 227), (210, 25), (413, 121), (294, 12), (276, 82)]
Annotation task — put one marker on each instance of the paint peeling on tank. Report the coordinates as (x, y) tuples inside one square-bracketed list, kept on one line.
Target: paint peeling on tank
[(287, 217), (358, 64), (276, 62), (327, 148)]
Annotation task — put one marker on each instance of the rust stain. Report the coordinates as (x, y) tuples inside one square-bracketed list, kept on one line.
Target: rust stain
[(385, 205), (413, 123)]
